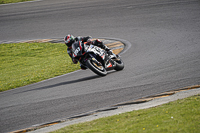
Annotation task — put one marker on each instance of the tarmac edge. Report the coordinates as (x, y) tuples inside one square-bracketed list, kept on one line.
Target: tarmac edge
[(123, 109)]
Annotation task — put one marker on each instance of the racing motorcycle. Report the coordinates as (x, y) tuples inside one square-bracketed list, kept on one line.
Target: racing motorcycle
[(96, 59)]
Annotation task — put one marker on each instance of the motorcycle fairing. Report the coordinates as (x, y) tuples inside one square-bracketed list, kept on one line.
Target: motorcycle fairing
[(96, 50), (110, 64)]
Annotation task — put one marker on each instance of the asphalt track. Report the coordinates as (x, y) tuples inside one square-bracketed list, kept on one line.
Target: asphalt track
[(164, 54)]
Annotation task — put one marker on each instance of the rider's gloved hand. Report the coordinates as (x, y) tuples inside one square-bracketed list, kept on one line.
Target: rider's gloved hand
[(89, 41), (106, 48), (109, 52)]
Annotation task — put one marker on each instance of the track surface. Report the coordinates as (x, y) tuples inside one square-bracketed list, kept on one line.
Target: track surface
[(165, 51)]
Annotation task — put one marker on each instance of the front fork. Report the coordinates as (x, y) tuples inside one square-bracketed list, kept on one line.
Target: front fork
[(95, 60)]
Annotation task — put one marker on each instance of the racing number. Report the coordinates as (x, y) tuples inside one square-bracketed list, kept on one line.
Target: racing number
[(76, 51), (99, 50)]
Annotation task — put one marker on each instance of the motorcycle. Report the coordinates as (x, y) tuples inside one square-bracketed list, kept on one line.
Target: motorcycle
[(95, 58)]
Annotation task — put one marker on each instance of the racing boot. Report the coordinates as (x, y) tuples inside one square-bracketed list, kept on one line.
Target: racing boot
[(83, 67)]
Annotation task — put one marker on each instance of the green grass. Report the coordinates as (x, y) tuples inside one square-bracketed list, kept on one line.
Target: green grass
[(11, 1), (181, 116), (25, 63)]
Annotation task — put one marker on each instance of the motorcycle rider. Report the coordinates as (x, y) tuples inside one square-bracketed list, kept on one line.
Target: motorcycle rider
[(70, 39)]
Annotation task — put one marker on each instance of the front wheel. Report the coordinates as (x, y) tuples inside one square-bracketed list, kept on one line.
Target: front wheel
[(96, 68)]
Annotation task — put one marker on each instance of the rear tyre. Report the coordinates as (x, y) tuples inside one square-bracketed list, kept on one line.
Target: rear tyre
[(119, 64), (98, 69)]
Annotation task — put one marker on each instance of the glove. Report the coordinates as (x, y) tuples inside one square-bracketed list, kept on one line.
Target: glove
[(89, 41), (106, 48), (110, 52)]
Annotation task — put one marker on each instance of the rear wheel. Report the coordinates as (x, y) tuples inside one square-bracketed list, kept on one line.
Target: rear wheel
[(96, 68), (119, 64)]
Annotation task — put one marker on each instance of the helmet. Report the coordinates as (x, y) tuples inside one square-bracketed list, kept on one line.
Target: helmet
[(69, 39)]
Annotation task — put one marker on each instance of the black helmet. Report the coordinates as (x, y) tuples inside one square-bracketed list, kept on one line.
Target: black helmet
[(69, 39)]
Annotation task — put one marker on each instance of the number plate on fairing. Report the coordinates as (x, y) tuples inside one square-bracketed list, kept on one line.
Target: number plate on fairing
[(96, 50)]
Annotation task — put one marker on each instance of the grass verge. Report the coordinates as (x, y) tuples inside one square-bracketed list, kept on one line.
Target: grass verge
[(181, 116), (11, 1), (25, 63)]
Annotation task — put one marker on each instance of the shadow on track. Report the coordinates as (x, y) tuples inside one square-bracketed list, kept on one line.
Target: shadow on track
[(65, 83)]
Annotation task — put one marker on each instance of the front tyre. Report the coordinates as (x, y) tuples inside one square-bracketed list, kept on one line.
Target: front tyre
[(98, 69)]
